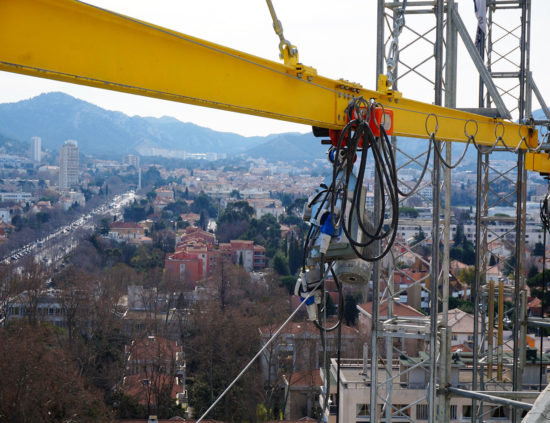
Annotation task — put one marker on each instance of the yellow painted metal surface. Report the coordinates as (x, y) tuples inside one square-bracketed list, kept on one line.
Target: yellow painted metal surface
[(74, 42), (538, 162)]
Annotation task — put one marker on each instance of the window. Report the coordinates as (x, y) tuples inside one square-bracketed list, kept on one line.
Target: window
[(286, 361), (466, 411), (422, 411), (499, 412), (399, 410), (454, 338), (362, 410), (453, 414), (333, 405)]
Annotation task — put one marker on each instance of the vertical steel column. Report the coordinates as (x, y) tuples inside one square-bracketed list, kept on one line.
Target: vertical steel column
[(475, 288), (436, 201), (377, 211), (436, 180), (489, 50), (450, 101), (519, 329)]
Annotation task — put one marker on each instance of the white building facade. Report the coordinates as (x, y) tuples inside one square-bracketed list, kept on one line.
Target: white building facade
[(68, 165)]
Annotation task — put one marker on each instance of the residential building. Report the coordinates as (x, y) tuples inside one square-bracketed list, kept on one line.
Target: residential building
[(70, 198), (68, 165), (409, 344), (5, 216), (299, 348), (197, 256), (302, 390), (186, 266), (155, 364), (165, 193), (131, 160), (36, 149), (461, 325), (16, 196), (127, 232), (410, 382), (43, 305), (245, 253)]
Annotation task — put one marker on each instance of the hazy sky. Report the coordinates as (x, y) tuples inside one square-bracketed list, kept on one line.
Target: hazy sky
[(335, 37)]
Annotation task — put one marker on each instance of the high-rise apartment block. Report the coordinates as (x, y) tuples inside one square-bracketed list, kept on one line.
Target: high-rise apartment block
[(132, 160), (68, 165), (36, 149)]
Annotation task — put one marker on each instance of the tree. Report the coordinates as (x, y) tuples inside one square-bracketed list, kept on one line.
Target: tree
[(467, 276), (164, 240), (464, 305), (203, 202), (103, 228), (289, 283), (295, 253), (408, 212), (463, 249), (420, 236), (203, 221), (35, 370), (280, 264), (214, 362), (237, 211)]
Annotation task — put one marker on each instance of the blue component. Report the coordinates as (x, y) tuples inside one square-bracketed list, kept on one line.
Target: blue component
[(331, 155), (326, 225), (310, 300)]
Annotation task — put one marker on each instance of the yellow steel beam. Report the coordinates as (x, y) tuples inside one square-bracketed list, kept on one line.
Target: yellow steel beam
[(70, 41), (538, 162)]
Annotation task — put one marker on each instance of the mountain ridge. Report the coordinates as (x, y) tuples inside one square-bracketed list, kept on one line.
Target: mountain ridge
[(56, 117)]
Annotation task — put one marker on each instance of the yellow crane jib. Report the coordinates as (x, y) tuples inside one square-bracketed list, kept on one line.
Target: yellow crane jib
[(71, 41)]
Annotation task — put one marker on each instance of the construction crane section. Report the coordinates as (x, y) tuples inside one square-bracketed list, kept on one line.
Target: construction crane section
[(99, 48), (496, 367), (410, 371)]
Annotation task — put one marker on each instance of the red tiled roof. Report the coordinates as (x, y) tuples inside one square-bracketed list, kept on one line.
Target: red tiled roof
[(135, 386), (305, 378), (294, 328), (154, 347), (125, 225), (534, 302), (399, 310), (241, 244), (461, 347)]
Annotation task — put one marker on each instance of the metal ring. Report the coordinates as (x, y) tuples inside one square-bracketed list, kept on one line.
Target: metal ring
[(376, 123), (466, 129), (523, 140), (499, 124), (436, 124), (521, 125)]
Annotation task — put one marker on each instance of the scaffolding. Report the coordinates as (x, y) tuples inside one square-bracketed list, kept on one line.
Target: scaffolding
[(506, 89)]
